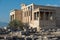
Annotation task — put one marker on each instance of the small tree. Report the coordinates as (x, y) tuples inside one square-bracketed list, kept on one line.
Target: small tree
[(15, 24)]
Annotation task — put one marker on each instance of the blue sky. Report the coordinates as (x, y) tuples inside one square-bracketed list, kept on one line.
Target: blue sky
[(7, 5)]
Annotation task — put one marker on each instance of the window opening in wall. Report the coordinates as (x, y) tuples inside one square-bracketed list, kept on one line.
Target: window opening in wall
[(41, 15), (13, 17), (47, 15), (35, 16)]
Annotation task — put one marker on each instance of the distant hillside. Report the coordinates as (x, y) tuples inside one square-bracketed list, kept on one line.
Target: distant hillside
[(2, 24)]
